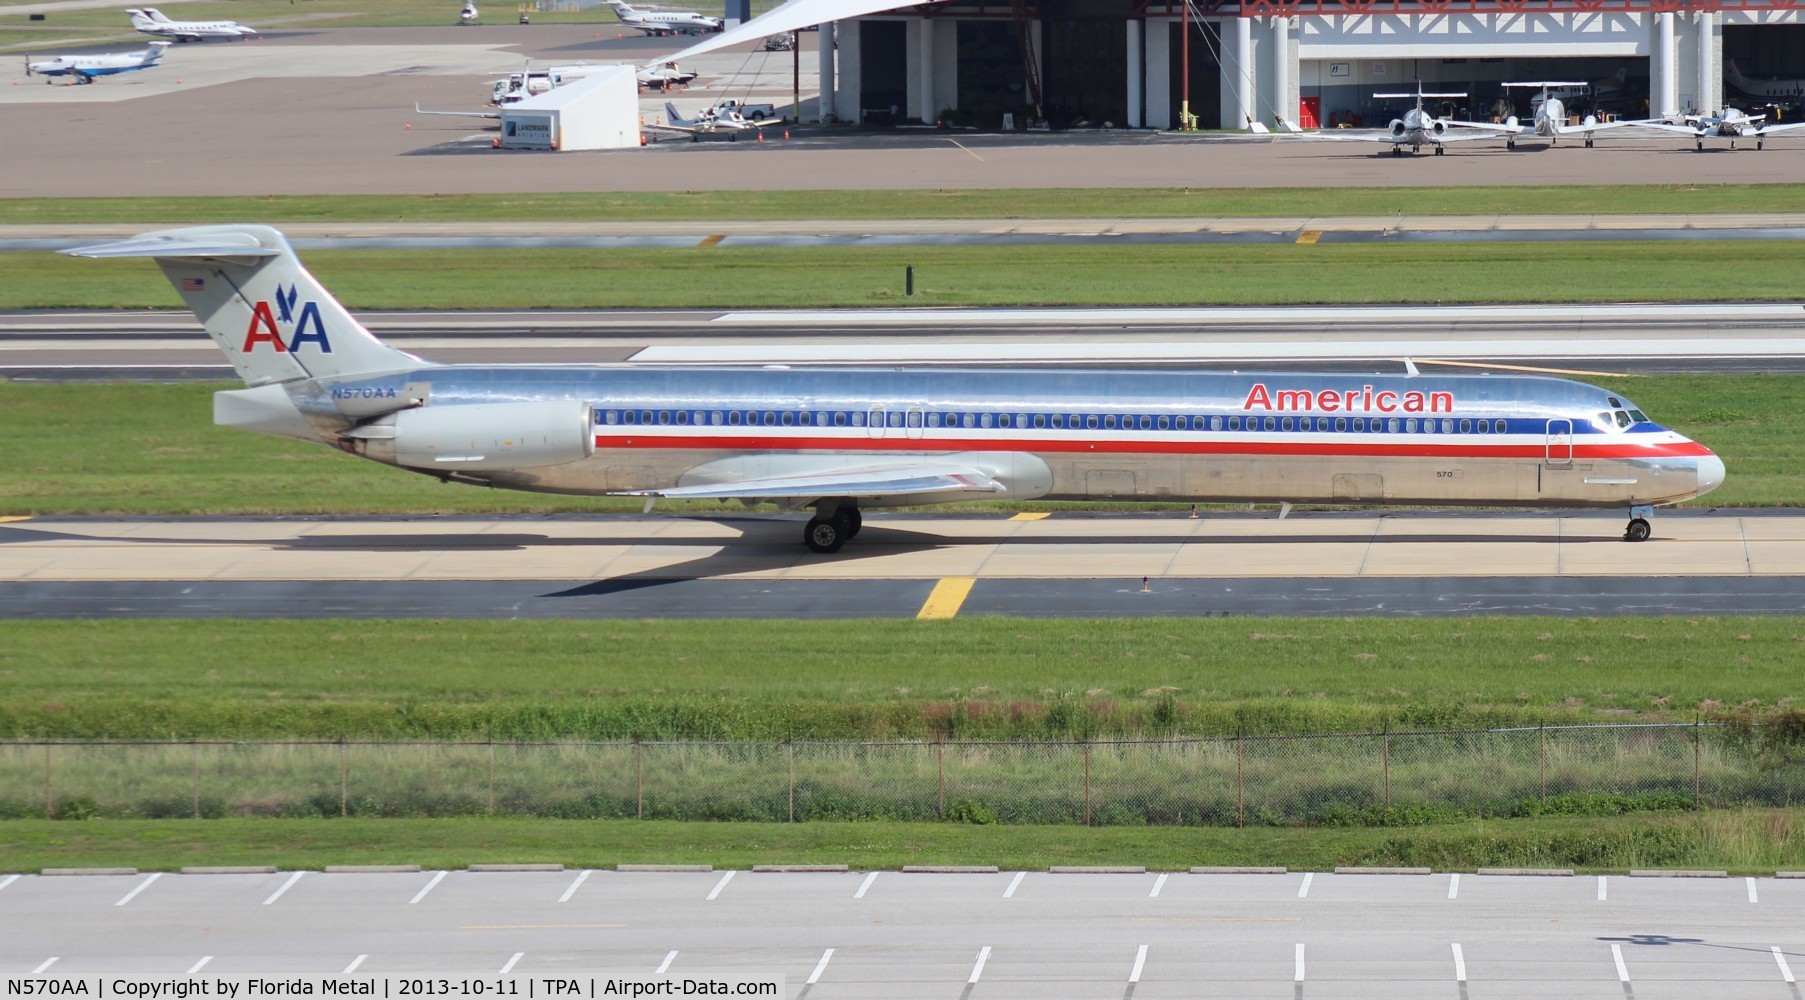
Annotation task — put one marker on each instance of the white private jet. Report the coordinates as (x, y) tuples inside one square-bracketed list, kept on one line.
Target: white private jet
[(1771, 89), (150, 21), (84, 68), (710, 122), (470, 15), (670, 22), (1730, 124), (1419, 128), (1551, 116)]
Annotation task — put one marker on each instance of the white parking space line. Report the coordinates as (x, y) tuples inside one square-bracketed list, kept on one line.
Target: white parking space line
[(718, 886), (1623, 971), (820, 966), (1453, 885), (1158, 884), (1785, 970), (196, 967), (8, 880), (1299, 976), (359, 960), (977, 968), (48, 962), (510, 966), (1460, 965), (436, 879), (582, 876), (1601, 888), (152, 877), (865, 885), (669, 957), (1304, 889), (1140, 961), (292, 879), (1017, 880), (1752, 897)]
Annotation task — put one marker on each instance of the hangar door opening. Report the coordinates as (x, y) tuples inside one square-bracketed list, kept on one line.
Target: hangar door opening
[(990, 74), (884, 71), (1764, 68), (1085, 72), (1206, 73)]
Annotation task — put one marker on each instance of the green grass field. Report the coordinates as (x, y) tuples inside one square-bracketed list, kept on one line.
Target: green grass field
[(1019, 203), (1744, 842), (965, 678), (152, 449), (969, 276)]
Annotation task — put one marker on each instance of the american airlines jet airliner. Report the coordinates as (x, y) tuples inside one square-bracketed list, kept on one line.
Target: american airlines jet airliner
[(841, 439)]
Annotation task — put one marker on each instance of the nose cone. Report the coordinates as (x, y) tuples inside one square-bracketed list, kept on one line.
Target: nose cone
[(1710, 473)]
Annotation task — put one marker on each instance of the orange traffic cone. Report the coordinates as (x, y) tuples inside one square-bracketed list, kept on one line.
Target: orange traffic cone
[(407, 126), (786, 133), (761, 135)]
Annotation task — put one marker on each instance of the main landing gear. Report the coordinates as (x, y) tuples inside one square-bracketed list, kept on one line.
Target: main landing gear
[(1638, 530), (833, 525)]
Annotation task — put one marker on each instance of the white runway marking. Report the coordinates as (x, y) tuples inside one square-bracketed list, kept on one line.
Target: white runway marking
[(1158, 884), (865, 885), (8, 880), (669, 957), (1140, 961), (1601, 888), (1752, 897), (48, 962), (196, 967), (1460, 965), (1453, 886), (510, 966), (152, 877), (1299, 976), (359, 960), (1785, 970), (718, 886), (1623, 971), (1304, 889), (581, 878), (292, 879), (984, 956), (1017, 880), (820, 966), (436, 879)]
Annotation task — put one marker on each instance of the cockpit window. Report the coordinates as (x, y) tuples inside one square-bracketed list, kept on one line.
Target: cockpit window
[(1603, 420), (1639, 417), (1623, 419)]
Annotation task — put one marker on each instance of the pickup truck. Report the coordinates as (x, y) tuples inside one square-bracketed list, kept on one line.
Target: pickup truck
[(750, 112)]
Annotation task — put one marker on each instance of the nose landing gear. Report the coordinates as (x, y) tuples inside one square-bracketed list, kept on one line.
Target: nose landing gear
[(1638, 529)]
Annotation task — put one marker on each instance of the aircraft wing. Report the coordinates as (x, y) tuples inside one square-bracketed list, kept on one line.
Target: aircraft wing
[(1767, 130), (1491, 127), (1691, 130), (1465, 136), (685, 129), (1583, 129), (889, 480)]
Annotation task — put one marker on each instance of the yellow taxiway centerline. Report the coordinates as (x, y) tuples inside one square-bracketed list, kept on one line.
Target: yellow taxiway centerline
[(1027, 516), (947, 597), (1309, 236), (9, 520)]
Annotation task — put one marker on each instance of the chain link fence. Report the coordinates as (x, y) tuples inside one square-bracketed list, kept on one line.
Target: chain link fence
[(1318, 780)]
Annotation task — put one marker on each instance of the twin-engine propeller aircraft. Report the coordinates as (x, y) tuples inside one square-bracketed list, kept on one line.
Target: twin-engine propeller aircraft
[(85, 68), (1550, 120), (1730, 124), (150, 21), (842, 439), (710, 122)]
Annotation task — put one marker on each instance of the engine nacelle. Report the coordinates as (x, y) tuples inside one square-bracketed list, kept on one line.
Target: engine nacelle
[(481, 436), (1397, 126), (1440, 127)]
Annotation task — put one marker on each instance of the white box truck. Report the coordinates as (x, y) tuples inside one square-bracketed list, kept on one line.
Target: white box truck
[(600, 111)]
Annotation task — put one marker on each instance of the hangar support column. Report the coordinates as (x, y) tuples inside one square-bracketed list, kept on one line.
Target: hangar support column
[(921, 94), (1238, 74), (1137, 43), (1664, 69), (847, 98), (1709, 90), (1284, 70), (824, 66)]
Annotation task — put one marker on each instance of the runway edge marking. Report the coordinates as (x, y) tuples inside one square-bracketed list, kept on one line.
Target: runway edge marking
[(947, 597)]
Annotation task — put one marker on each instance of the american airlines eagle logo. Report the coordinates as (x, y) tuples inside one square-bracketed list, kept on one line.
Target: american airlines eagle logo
[(304, 325)]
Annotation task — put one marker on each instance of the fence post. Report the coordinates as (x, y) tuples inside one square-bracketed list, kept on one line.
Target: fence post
[(1542, 730), (344, 779), (1087, 783), (1697, 734), (1385, 759), (1240, 785), (491, 775), (639, 779), (197, 781), (940, 747), (790, 750), (49, 791)]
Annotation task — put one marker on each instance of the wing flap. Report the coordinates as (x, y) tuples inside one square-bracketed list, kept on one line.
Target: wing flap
[(869, 481)]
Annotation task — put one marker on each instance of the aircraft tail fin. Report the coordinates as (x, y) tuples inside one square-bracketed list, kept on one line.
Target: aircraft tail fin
[(154, 54), (1734, 74), (273, 319), (156, 15), (676, 117)]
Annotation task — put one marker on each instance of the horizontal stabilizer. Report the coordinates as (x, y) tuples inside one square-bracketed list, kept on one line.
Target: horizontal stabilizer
[(878, 481), (221, 245)]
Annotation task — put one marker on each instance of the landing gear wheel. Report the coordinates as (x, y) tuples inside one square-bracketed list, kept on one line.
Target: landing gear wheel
[(1637, 531), (1397, 151), (1760, 144), (1701, 146), (1440, 150), (1510, 144), (825, 534), (854, 520), (1588, 142)]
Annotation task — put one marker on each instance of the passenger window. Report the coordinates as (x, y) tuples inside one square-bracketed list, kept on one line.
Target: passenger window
[(664, 417), (1165, 422), (770, 418), (1498, 426), (1234, 423), (1002, 420), (1341, 423), (914, 418), (1091, 421), (1270, 423), (1447, 426), (1109, 421), (1058, 420), (984, 420), (1040, 420), (896, 420), (1286, 424), (683, 417), (1466, 426), (858, 418), (1393, 424), (933, 420), (645, 416), (788, 418), (839, 419), (1410, 426)]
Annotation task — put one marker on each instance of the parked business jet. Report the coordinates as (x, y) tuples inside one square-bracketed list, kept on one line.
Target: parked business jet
[(1550, 119), (470, 15), (710, 122), (1773, 88), (842, 439), (1730, 124), (1419, 128), (671, 22), (85, 68), (150, 21)]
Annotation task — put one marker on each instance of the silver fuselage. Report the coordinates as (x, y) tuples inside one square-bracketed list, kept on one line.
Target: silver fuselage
[(1067, 434)]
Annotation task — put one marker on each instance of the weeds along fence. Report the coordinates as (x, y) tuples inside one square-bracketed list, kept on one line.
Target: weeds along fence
[(1323, 780)]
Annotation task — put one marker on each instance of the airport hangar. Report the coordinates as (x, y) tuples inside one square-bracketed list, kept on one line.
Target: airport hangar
[(1120, 62)]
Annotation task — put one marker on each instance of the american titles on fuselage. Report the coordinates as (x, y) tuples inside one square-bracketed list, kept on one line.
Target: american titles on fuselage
[(1363, 399)]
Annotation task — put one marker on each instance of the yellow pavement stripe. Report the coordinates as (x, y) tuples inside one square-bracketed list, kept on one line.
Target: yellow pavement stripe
[(1031, 517), (8, 520), (709, 241), (948, 595), (1525, 368), (1309, 236)]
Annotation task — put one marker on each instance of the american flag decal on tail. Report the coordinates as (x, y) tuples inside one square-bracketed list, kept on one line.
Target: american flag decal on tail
[(193, 284)]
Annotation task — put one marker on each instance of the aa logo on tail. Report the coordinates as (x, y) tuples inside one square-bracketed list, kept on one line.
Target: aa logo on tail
[(305, 326)]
